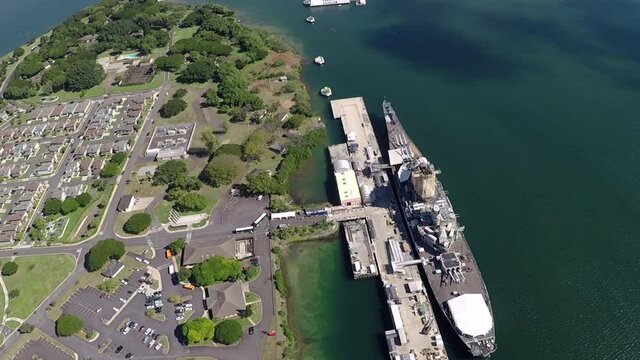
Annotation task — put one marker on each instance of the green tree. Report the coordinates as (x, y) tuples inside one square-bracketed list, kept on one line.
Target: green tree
[(18, 52), (103, 251), (215, 269), (137, 223), (172, 108), (177, 246), (170, 63), (55, 77), (69, 205), (168, 171), (294, 122), (228, 332), (210, 141), (221, 170), (118, 158), (191, 202), (174, 194), (108, 286), (20, 89), (260, 182), (187, 183), (180, 93), (52, 206), (26, 328), (255, 146), (9, 268), (83, 199), (84, 74), (110, 170), (197, 330), (14, 293), (67, 325), (198, 71)]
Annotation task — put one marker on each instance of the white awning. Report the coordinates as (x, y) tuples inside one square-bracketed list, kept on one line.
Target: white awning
[(471, 314)]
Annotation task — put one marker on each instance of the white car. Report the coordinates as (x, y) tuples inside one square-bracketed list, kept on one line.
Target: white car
[(151, 343), (158, 346), (126, 330), (146, 332), (137, 258), (146, 261)]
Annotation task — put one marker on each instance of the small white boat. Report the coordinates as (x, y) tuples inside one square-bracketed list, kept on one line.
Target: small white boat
[(319, 60), (311, 19), (306, 2), (326, 91)]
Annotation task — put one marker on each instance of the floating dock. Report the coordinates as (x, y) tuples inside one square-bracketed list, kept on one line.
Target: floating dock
[(376, 235)]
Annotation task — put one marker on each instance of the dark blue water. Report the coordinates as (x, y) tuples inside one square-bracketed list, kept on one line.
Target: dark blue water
[(24, 20), (530, 108)]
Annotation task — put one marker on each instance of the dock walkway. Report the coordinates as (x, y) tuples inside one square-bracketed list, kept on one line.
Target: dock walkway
[(415, 334)]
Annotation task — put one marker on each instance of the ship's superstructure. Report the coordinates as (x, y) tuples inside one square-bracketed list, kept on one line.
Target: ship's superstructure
[(452, 273)]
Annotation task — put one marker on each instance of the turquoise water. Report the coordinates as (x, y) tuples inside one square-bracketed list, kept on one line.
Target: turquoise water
[(530, 109)]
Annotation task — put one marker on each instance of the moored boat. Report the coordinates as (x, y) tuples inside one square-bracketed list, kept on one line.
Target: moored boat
[(326, 91), (311, 19), (319, 60)]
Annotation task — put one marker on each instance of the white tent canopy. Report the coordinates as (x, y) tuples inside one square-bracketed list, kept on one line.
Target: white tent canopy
[(471, 314)]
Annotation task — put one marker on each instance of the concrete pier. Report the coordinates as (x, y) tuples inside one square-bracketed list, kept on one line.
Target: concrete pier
[(376, 235)]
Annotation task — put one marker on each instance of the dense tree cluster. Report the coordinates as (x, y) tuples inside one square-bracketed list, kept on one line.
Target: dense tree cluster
[(191, 202), (113, 166), (67, 325), (70, 204), (216, 269), (228, 332), (170, 63), (221, 170), (172, 108), (198, 71), (73, 47), (197, 330), (255, 146), (137, 223), (233, 88), (103, 251)]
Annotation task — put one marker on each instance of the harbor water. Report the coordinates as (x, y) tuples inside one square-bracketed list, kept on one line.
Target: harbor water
[(529, 108)]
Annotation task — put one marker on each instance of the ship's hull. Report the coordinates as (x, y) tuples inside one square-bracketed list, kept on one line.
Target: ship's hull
[(482, 345)]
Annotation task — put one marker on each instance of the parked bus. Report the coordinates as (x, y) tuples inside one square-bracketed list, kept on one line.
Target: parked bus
[(245, 229), (171, 270), (316, 212), (259, 219)]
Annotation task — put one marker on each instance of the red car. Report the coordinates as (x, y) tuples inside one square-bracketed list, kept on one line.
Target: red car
[(271, 333)]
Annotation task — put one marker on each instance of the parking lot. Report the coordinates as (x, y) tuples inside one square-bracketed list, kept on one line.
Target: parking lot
[(93, 306), (41, 349)]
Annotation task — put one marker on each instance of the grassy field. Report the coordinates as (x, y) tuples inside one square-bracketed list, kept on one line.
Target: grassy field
[(37, 276), (76, 217), (184, 33), (13, 324)]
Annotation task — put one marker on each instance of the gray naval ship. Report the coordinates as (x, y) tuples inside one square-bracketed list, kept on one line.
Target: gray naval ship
[(451, 270)]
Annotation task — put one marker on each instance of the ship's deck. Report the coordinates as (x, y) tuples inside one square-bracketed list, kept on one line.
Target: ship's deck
[(442, 286)]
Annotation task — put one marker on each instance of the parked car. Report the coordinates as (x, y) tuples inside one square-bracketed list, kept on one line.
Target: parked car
[(128, 356), (118, 349), (251, 330), (126, 330)]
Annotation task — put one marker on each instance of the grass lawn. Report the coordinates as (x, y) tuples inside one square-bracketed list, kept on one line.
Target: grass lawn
[(251, 297), (13, 324), (237, 133), (162, 210), (37, 276), (164, 340), (75, 218), (95, 91), (184, 33)]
